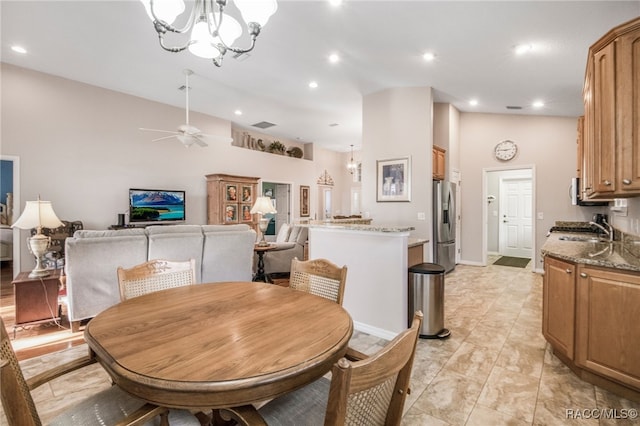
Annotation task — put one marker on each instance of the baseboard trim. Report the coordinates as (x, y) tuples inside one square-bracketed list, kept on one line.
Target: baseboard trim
[(470, 263), (374, 331)]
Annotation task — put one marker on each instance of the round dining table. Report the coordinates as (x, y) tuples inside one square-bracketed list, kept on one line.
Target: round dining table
[(219, 345)]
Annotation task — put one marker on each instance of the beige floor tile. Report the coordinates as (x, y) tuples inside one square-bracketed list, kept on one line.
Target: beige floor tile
[(483, 416), (474, 362), (450, 397), (522, 358), (510, 393)]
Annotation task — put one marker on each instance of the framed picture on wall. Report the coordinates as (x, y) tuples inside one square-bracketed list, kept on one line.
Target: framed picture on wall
[(304, 201), (394, 180)]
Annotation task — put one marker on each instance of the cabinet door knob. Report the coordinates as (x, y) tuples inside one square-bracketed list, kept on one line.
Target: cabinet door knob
[(583, 275), (626, 181), (607, 183), (568, 271)]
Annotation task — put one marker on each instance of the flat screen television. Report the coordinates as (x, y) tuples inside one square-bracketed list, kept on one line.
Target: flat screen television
[(148, 206)]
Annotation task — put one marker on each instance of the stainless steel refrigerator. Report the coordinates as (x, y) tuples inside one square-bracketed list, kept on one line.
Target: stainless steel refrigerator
[(444, 224)]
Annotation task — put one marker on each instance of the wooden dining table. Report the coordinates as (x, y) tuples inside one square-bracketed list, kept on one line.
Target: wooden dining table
[(220, 344)]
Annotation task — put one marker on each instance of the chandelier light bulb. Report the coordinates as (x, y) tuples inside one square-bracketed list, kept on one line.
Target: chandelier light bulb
[(258, 11), (165, 10), (202, 44)]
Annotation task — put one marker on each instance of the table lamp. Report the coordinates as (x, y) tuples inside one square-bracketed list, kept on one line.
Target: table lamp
[(263, 206), (38, 214)]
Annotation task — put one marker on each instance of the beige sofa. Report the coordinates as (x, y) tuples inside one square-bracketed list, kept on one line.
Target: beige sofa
[(289, 243), (221, 252)]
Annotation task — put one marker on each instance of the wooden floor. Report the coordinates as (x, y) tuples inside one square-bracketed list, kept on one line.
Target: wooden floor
[(32, 340)]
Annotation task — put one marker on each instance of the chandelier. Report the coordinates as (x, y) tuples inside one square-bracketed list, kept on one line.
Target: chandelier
[(211, 31), (352, 165)]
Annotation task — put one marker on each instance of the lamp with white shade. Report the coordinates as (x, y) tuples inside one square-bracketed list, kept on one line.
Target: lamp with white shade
[(38, 214), (262, 207)]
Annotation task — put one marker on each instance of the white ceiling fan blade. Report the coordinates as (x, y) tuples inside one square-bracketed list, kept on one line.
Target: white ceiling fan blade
[(201, 142), (165, 137), (158, 130)]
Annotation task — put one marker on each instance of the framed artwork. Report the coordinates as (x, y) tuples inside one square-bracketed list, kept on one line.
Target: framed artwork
[(246, 194), (304, 201), (246, 212), (232, 193), (393, 180), (231, 213)]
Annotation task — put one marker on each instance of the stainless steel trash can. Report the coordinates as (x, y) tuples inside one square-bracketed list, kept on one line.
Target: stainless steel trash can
[(426, 293)]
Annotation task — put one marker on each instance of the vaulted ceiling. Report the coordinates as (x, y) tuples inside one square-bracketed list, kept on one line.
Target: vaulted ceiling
[(112, 44)]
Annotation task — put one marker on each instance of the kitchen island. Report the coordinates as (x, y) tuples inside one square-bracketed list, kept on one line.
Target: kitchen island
[(376, 291)]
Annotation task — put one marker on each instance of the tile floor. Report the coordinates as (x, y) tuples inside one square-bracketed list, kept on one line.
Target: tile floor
[(495, 369)]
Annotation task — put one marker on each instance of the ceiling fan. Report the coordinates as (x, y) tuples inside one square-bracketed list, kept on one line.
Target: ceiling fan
[(186, 133)]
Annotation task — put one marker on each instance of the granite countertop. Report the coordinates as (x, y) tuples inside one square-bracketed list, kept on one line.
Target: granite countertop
[(367, 228), (616, 254)]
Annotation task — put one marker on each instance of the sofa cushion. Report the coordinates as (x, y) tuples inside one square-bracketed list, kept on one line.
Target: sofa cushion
[(299, 234), (283, 233), (177, 243)]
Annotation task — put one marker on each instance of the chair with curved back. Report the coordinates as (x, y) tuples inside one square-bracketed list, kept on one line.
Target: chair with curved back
[(369, 391), (320, 277), (155, 275)]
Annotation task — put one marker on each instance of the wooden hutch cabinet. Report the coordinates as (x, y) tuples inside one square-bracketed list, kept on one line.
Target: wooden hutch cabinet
[(612, 114), (230, 198)]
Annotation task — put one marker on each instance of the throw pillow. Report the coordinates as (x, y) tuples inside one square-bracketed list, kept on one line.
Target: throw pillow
[(283, 233)]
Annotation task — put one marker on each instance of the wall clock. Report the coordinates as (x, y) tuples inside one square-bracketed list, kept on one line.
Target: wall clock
[(506, 150)]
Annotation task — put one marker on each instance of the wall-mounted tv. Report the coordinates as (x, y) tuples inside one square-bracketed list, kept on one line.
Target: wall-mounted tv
[(156, 206)]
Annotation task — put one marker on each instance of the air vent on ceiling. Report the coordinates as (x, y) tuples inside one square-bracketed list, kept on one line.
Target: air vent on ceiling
[(513, 107), (263, 125), (181, 88), (333, 124)]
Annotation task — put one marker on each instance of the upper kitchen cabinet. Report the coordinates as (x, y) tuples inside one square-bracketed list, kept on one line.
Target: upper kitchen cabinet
[(438, 154), (611, 132)]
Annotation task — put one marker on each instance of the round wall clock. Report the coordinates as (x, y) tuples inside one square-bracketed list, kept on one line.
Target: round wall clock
[(506, 150)]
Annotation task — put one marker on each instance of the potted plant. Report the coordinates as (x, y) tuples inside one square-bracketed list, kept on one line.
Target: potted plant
[(276, 147)]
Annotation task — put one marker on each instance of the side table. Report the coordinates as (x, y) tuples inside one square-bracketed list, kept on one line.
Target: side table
[(260, 251), (36, 299)]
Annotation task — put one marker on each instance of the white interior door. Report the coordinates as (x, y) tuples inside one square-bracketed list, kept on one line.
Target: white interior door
[(516, 217)]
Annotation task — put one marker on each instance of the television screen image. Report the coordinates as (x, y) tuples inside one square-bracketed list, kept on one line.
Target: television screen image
[(150, 205)]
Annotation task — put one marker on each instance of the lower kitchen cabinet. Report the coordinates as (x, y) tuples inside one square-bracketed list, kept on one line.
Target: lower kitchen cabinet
[(591, 319), (608, 324), (558, 308)]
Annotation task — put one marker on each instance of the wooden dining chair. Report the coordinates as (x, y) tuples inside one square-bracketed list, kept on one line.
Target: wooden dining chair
[(370, 391), (110, 406), (319, 277), (155, 275)]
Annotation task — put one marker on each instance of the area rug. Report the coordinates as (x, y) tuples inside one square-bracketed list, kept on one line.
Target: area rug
[(516, 262)]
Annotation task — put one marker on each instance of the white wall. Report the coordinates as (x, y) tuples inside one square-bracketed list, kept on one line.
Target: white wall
[(80, 147), (548, 143), (398, 123)]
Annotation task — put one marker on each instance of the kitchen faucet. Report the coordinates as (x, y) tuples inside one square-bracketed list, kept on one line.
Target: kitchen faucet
[(608, 230)]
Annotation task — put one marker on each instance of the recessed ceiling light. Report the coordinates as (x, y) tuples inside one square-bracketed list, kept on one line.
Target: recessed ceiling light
[(538, 104), (237, 112), (18, 49), (334, 58), (335, 2), (521, 49), (428, 56), (473, 102), (313, 84)]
